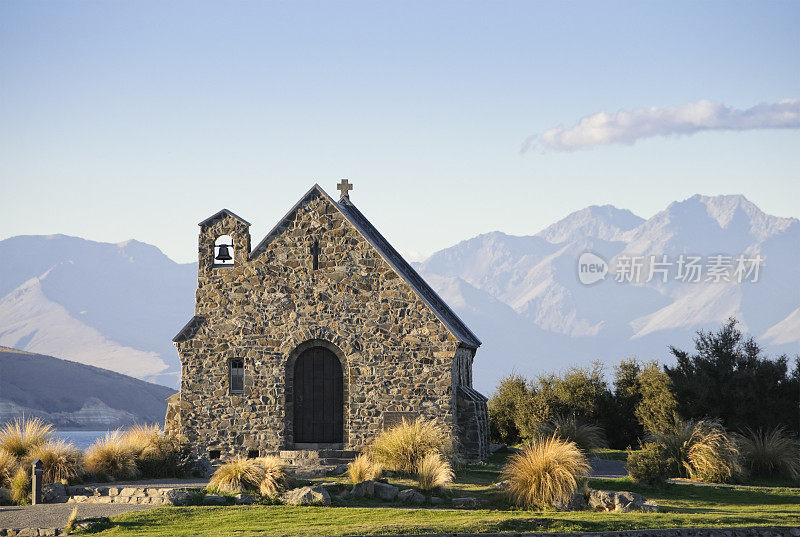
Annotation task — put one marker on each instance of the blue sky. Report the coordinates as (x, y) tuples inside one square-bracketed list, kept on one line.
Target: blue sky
[(138, 119)]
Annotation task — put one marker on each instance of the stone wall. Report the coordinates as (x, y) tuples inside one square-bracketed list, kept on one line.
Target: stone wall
[(396, 354)]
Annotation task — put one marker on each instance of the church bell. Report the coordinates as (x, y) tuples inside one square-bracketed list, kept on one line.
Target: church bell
[(223, 254)]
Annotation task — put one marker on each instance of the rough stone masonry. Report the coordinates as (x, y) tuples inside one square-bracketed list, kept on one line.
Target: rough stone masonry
[(335, 335)]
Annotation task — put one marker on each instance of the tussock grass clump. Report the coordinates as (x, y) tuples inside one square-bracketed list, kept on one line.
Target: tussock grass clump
[(403, 447), (141, 438), (18, 437), (587, 436), (71, 521), (157, 454), (713, 456), (8, 467), (363, 468), (546, 471), (770, 453), (238, 475), (111, 458), (275, 476), (434, 472), (21, 487), (60, 460)]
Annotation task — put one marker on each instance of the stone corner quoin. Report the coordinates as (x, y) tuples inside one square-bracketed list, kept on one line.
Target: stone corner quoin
[(320, 337)]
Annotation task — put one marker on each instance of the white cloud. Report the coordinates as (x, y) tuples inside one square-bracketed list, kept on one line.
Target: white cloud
[(626, 127)]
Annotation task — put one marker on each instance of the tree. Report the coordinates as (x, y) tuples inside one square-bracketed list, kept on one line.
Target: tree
[(657, 407), (506, 406), (729, 378), (626, 429)]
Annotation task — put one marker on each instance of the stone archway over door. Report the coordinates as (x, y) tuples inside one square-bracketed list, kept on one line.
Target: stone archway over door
[(318, 398)]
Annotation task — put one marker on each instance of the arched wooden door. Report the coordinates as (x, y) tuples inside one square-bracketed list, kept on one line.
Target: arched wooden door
[(318, 398)]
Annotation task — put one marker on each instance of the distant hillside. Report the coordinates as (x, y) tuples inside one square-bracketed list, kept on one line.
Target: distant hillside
[(75, 396)]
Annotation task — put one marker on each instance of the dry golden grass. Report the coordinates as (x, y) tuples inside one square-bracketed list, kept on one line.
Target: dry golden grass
[(770, 453), (434, 472), (274, 480), (111, 458), (8, 467), (238, 475), (712, 455), (21, 486), (18, 437), (401, 448), (546, 471), (363, 468), (60, 460), (141, 439), (71, 521), (587, 436)]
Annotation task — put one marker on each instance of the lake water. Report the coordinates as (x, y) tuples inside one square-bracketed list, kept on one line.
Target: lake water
[(81, 439)]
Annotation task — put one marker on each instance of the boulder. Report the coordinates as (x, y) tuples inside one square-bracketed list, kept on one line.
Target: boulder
[(244, 499), (602, 500), (650, 507), (576, 502), (627, 501), (339, 470), (467, 501), (54, 493), (307, 496), (178, 496), (363, 488), (384, 491), (411, 496), (435, 500), (213, 499), (5, 496)]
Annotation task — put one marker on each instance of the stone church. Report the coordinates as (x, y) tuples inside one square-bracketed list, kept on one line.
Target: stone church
[(318, 338)]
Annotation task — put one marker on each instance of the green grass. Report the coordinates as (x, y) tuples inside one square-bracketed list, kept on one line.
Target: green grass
[(682, 505), (611, 454)]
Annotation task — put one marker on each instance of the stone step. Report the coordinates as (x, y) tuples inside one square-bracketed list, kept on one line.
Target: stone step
[(317, 454), (317, 462)]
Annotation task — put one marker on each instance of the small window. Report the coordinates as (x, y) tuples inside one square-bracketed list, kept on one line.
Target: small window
[(223, 251), (214, 454), (252, 454), (237, 375)]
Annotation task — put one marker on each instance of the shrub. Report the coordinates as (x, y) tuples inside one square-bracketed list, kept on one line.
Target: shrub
[(238, 475), (651, 465), (21, 487), (505, 406), (8, 467), (713, 457), (141, 439), (160, 455), (546, 471), (434, 472), (60, 460), (587, 436), (363, 468), (770, 453), (111, 458), (677, 441), (657, 408), (18, 437), (401, 448), (274, 480)]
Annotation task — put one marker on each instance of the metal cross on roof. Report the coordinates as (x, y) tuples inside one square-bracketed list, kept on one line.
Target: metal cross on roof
[(344, 187)]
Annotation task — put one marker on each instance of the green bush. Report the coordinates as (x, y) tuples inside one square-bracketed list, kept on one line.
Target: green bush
[(505, 406), (652, 464), (657, 409)]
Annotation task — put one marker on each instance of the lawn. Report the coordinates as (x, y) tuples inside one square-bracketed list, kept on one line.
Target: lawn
[(681, 505)]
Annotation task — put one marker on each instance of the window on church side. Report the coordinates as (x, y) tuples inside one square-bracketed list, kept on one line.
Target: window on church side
[(223, 251), (237, 375)]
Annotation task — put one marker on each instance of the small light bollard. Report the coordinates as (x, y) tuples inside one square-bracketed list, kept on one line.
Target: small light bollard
[(36, 481)]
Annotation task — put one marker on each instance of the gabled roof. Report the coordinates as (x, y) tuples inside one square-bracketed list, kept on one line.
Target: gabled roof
[(189, 329), (391, 256), (220, 213)]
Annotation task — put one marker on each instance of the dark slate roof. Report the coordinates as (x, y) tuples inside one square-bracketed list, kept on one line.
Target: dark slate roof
[(220, 213), (395, 260), (189, 329)]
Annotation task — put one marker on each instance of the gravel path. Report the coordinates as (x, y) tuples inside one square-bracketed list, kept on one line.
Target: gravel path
[(55, 515)]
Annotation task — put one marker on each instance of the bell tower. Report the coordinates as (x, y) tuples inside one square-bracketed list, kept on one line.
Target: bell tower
[(223, 250)]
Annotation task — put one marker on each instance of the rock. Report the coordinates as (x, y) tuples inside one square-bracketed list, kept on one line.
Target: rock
[(467, 501), (602, 500), (5, 496), (494, 448), (652, 507), (244, 499), (411, 496), (384, 491), (364, 488), (92, 524), (339, 470), (435, 500), (54, 493), (627, 501), (178, 496), (307, 496), (213, 499), (576, 502)]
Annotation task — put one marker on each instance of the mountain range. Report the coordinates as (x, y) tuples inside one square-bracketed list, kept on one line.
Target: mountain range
[(117, 306)]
